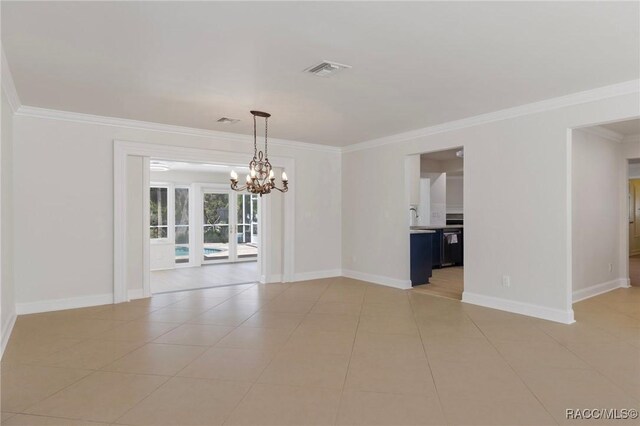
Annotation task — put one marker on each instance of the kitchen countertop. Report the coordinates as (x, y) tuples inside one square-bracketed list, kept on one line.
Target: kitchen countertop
[(418, 228), (422, 231)]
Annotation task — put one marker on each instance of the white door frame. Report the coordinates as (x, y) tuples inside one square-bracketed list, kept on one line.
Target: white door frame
[(122, 149)]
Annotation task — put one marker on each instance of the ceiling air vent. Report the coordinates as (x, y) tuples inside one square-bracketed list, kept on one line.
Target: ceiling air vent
[(227, 120), (326, 68)]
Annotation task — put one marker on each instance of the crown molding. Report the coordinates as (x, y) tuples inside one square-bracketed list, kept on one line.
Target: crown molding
[(8, 86), (625, 88), (76, 117), (603, 133)]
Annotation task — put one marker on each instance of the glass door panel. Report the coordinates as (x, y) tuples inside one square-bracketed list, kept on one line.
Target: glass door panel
[(247, 226), (182, 225), (215, 226)]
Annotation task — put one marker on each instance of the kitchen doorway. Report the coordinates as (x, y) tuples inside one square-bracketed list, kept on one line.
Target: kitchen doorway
[(436, 222)]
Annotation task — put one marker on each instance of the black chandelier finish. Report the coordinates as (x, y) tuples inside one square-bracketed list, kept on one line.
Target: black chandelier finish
[(261, 179)]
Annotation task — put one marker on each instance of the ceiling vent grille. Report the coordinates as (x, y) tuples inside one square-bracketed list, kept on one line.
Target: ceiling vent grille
[(326, 68), (227, 120)]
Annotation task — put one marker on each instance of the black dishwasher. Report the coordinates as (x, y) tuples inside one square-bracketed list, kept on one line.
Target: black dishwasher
[(452, 247)]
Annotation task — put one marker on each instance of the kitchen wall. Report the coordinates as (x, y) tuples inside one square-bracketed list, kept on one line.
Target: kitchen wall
[(69, 165), (7, 291), (516, 194), (596, 179), (455, 194)]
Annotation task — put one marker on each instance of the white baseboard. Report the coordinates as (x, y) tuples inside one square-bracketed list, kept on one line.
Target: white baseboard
[(594, 290), (537, 311), (136, 294), (317, 275), (377, 279), (273, 278), (6, 333), (61, 304)]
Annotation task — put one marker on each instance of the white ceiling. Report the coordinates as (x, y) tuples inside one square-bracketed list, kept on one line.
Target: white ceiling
[(414, 64), (625, 128)]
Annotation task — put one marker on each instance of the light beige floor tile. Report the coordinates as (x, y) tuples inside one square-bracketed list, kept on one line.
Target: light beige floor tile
[(23, 386), (388, 308), (229, 364), (337, 308), (4, 416), (121, 311), (381, 372), (137, 331), (169, 314), (282, 320), (318, 341), (396, 346), (286, 405), (197, 304), (91, 354), (371, 408), (559, 389), (195, 334), (536, 354), (101, 396), (576, 332), (516, 332), (224, 316), (155, 358), (329, 322), (255, 338), (460, 350), (29, 420), (31, 349), (383, 323), (187, 401), (489, 410), (279, 304), (308, 369)]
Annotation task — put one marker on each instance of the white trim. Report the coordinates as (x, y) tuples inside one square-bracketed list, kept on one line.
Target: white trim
[(317, 275), (268, 279), (537, 311), (377, 279), (6, 333), (137, 293), (146, 231), (8, 85), (625, 88), (61, 304), (122, 149), (603, 132), (598, 289), (76, 117)]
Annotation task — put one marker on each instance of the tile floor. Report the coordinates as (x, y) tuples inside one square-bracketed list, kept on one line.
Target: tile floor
[(334, 351), (211, 275), (444, 282)]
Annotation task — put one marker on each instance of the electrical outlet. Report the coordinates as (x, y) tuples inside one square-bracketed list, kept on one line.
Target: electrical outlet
[(611, 267), (506, 281)]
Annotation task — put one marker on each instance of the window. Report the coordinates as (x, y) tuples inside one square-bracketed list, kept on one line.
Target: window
[(159, 227), (182, 224)]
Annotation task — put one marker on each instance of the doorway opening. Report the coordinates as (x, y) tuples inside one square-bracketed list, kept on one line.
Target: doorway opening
[(605, 210), (436, 221), (201, 233)]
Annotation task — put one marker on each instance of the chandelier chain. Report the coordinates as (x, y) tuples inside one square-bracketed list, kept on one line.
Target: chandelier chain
[(266, 123)]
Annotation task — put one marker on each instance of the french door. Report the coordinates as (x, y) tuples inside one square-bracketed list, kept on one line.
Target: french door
[(229, 226)]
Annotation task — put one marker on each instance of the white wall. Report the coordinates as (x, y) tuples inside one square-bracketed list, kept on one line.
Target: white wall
[(70, 166), (7, 308), (516, 216), (455, 194), (596, 178), (135, 222)]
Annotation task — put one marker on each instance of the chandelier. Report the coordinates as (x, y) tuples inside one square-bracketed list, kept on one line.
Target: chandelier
[(261, 179)]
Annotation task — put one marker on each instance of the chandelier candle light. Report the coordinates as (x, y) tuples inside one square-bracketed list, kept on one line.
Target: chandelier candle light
[(261, 179)]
